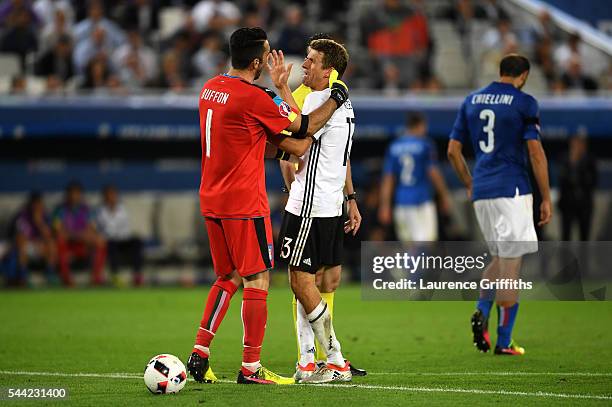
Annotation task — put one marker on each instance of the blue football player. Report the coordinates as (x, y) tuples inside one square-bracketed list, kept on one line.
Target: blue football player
[(502, 124), (410, 175)]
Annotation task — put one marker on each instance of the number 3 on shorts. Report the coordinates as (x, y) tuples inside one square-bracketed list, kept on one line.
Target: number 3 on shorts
[(286, 249)]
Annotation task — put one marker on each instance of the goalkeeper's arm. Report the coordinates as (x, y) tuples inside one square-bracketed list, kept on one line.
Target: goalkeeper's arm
[(308, 125)]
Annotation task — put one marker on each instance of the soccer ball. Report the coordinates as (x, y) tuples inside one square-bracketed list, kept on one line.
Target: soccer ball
[(165, 374)]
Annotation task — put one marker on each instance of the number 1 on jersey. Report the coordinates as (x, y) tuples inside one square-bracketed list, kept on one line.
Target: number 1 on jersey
[(209, 114), (489, 116)]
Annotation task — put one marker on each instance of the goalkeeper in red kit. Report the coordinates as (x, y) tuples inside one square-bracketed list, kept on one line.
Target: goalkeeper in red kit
[(237, 120)]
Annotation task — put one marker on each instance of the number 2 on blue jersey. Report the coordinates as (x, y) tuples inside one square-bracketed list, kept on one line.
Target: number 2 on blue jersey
[(406, 176)]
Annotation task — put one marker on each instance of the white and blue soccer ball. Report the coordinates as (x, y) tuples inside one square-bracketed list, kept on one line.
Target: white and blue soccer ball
[(165, 374)]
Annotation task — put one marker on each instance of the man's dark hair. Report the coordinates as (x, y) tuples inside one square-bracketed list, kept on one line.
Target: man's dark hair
[(334, 55), (247, 44), (513, 65), (414, 119), (319, 36)]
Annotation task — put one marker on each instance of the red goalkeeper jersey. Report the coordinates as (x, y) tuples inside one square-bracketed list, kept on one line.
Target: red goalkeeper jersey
[(235, 118)]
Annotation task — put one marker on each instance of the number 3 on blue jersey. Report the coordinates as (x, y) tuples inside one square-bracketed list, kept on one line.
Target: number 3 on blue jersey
[(489, 116)]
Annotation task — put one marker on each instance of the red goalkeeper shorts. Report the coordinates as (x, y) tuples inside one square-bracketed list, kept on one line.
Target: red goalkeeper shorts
[(244, 245)]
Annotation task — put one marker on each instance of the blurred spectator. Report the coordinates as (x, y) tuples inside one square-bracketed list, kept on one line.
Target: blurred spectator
[(114, 222), (544, 58), (267, 13), (543, 35), (427, 83), (464, 12), (398, 37), (135, 63), (218, 15), (98, 45), (99, 77), (493, 11), (252, 18), (210, 60), (292, 36), (83, 31), (54, 86), (545, 28), (391, 83), (141, 15), (564, 53), (57, 61), (557, 87), (10, 10), (47, 10), (176, 63), (77, 236), (461, 12), (18, 85), (170, 76), (55, 30), (19, 35), (577, 183), (33, 238), (189, 35), (574, 78), (500, 39), (497, 42)]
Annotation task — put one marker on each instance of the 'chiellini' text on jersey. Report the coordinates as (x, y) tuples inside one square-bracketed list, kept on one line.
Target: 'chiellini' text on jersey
[(498, 120), (317, 191)]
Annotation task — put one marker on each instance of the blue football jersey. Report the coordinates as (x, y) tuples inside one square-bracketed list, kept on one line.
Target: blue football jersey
[(497, 120), (409, 159)]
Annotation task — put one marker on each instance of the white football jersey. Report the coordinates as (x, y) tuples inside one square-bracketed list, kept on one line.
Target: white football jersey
[(318, 189)]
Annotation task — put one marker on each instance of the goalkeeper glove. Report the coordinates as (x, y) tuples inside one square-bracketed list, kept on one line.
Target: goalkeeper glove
[(339, 90)]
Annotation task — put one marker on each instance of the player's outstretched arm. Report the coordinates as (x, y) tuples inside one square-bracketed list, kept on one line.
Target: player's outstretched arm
[(279, 73), (308, 125), (435, 175), (386, 195), (294, 146), (457, 160), (539, 164)]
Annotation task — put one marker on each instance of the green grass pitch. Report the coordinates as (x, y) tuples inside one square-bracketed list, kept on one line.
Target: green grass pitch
[(416, 352)]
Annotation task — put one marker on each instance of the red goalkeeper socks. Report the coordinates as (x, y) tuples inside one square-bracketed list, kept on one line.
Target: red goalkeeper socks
[(216, 307), (254, 317)]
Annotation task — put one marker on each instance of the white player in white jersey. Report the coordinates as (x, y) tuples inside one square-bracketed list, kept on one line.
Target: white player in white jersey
[(312, 233), (318, 188)]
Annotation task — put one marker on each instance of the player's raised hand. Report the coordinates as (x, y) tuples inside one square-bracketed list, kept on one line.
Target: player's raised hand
[(279, 72), (339, 90), (545, 213)]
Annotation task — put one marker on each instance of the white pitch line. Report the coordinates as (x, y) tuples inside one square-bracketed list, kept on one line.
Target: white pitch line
[(471, 391), (346, 386), (586, 374), (95, 375)]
